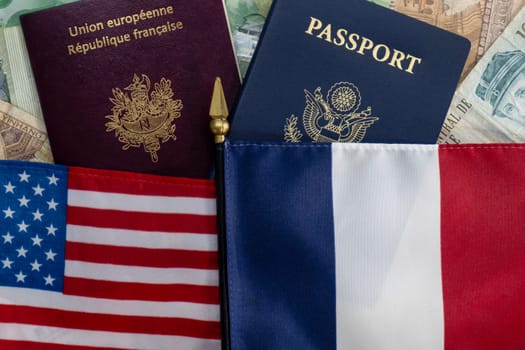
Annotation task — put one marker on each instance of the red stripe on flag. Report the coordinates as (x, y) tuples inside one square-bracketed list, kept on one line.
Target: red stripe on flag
[(141, 291), (483, 245), (29, 345), (132, 256), (136, 183), (154, 222), (110, 323)]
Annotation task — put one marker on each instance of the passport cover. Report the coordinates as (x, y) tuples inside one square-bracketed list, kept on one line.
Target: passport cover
[(127, 85), (348, 71)]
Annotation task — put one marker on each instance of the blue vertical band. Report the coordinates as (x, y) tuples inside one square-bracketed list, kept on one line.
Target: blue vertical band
[(280, 246)]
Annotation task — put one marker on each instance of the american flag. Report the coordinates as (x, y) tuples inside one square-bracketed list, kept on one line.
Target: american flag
[(95, 259)]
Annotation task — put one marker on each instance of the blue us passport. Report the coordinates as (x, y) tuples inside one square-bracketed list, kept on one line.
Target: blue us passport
[(347, 71)]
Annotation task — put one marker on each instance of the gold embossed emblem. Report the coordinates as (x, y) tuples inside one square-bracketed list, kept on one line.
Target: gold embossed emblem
[(335, 119), (143, 119)]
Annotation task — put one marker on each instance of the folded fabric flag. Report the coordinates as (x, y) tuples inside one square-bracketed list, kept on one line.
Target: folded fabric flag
[(94, 259), (361, 246)]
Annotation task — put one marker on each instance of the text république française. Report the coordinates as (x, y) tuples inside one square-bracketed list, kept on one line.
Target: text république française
[(116, 40)]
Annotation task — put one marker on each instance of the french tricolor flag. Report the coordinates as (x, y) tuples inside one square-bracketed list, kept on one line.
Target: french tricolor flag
[(375, 246)]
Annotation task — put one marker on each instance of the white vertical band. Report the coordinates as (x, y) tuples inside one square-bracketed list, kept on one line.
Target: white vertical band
[(386, 202)]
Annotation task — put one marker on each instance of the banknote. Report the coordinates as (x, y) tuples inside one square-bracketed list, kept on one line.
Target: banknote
[(22, 136), (489, 105), (463, 17), (17, 84), (246, 18), (384, 3), (496, 17)]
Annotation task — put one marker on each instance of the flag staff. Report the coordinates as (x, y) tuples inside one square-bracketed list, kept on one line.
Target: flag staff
[(219, 126)]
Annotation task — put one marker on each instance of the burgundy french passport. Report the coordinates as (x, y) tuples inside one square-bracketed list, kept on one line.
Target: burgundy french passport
[(127, 84)]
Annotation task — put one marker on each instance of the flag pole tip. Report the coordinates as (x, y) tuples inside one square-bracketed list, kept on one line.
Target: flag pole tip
[(219, 124)]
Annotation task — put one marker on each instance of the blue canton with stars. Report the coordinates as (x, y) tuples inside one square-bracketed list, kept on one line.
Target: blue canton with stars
[(32, 224)]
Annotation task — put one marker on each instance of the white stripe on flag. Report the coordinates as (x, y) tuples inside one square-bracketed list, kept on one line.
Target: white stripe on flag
[(54, 300), (388, 261), (136, 274), (131, 238), (43, 334), (141, 203)]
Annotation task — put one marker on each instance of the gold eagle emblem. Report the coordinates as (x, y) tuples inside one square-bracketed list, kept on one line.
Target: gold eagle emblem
[(332, 120), (141, 118)]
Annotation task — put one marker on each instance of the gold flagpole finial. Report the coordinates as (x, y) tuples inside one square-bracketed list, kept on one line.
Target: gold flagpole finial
[(219, 113)]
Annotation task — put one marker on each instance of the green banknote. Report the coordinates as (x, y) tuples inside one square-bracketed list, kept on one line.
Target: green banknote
[(246, 19), (17, 84), (489, 105)]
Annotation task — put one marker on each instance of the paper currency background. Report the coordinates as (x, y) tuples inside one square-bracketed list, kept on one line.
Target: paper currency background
[(22, 131), (246, 19), (496, 16), (489, 105), (463, 17), (16, 79)]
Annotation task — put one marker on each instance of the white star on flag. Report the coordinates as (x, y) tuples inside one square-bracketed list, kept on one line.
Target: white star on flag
[(50, 255), (51, 230), (20, 277), (8, 213), (53, 180), (52, 204), (24, 201), (38, 190), (7, 263), (35, 266), (24, 177), (37, 240), (9, 188), (22, 227), (37, 215), (8, 238), (22, 251), (49, 280)]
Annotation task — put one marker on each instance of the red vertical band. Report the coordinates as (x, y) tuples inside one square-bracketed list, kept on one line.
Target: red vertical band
[(483, 246)]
